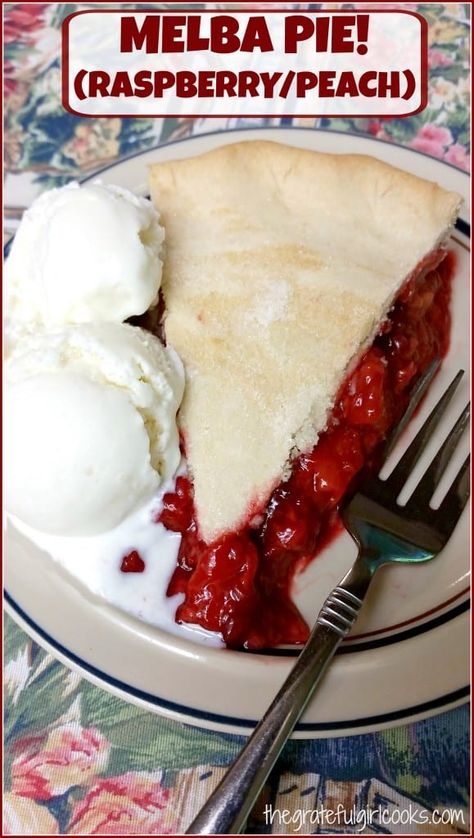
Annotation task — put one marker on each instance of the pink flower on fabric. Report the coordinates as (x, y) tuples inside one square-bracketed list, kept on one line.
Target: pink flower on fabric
[(23, 22), (377, 129), (47, 766), (458, 156), (437, 58), (9, 82), (432, 139), (132, 804), (374, 127)]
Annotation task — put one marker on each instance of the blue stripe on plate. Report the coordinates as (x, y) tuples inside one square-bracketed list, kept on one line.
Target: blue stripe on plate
[(464, 228), (183, 710)]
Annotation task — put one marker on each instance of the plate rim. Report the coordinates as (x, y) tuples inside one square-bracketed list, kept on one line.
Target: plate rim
[(329, 728), (284, 127), (217, 721)]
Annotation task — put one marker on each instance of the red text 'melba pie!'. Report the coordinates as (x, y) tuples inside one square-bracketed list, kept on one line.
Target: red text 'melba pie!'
[(305, 293)]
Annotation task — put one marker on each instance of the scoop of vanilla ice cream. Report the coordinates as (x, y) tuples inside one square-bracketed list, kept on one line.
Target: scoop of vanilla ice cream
[(84, 254), (90, 419)]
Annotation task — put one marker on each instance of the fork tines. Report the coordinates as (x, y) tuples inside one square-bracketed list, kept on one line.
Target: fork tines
[(405, 466), (433, 474), (458, 493)]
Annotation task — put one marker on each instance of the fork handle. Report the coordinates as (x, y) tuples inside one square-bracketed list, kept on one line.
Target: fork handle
[(228, 807)]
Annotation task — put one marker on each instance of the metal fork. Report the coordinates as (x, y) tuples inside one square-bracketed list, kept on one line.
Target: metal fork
[(385, 532)]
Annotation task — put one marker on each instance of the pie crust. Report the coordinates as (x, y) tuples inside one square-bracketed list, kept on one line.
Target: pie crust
[(280, 266)]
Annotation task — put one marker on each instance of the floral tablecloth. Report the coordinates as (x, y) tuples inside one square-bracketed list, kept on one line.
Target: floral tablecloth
[(77, 759)]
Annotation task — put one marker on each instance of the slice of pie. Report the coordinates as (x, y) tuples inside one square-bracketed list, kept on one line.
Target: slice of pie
[(281, 266)]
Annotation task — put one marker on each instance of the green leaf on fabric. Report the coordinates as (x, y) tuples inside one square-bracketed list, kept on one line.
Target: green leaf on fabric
[(463, 137), (170, 125), (451, 73), (399, 760), (42, 701), (14, 640), (343, 125), (143, 741), (61, 11), (459, 120)]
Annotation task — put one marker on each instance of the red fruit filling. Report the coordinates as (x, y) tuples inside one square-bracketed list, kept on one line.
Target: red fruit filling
[(240, 584), (132, 563)]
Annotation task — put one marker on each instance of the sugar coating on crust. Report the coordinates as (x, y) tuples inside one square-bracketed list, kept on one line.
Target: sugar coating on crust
[(279, 266)]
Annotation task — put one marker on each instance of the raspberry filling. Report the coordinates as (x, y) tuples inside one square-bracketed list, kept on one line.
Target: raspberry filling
[(240, 585), (132, 563)]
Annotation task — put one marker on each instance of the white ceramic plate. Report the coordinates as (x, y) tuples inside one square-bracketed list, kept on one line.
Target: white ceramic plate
[(410, 656)]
